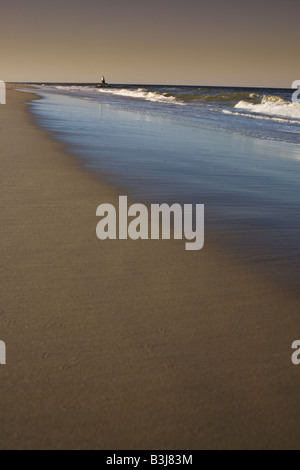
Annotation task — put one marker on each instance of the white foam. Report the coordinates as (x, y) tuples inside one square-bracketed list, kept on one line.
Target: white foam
[(273, 106), (141, 93), (72, 88), (257, 116)]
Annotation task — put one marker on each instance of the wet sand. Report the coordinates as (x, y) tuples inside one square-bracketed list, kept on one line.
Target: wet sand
[(128, 344)]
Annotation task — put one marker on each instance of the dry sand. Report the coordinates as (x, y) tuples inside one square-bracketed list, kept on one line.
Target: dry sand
[(128, 344)]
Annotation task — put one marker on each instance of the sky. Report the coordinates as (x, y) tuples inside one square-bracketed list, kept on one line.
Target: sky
[(190, 42)]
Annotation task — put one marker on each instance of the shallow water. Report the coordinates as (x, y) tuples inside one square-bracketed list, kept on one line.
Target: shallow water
[(249, 185)]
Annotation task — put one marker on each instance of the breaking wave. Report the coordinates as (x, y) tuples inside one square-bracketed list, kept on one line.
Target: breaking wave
[(141, 93), (229, 99), (272, 106)]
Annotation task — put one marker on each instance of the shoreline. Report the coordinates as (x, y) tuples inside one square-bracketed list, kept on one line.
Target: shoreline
[(128, 344), (253, 240)]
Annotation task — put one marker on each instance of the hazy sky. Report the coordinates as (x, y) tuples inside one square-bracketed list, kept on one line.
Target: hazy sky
[(215, 42)]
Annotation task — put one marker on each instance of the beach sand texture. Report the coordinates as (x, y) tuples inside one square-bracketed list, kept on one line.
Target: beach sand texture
[(128, 344)]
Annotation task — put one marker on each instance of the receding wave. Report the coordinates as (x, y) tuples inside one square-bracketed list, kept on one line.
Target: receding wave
[(272, 106), (260, 116), (266, 112), (246, 101)]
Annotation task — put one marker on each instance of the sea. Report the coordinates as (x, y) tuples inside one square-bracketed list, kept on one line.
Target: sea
[(235, 150)]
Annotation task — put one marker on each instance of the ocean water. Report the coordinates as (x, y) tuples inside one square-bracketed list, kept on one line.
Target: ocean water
[(234, 149)]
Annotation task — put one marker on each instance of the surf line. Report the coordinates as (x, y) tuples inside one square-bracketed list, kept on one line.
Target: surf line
[(160, 222)]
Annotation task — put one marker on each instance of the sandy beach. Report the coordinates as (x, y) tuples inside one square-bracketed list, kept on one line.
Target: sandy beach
[(128, 344)]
